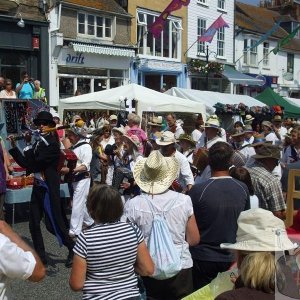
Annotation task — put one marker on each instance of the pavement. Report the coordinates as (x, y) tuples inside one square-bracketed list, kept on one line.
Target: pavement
[(55, 286)]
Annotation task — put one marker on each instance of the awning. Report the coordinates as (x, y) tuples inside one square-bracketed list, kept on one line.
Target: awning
[(237, 77), (104, 50)]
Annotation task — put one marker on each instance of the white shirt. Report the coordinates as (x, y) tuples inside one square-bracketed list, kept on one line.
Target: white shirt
[(137, 210), (14, 264), (185, 176), (196, 135), (202, 143), (4, 94), (247, 151), (271, 137), (109, 141), (84, 154)]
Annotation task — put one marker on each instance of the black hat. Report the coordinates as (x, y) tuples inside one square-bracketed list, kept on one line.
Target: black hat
[(44, 116)]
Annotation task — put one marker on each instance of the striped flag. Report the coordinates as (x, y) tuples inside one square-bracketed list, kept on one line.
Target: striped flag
[(285, 40), (209, 34), (158, 26), (265, 36)]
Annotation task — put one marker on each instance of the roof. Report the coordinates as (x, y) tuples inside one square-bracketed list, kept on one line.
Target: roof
[(110, 6), (260, 20)]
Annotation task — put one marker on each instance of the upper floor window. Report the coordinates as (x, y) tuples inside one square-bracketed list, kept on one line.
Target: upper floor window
[(167, 45), (96, 26), (202, 1), (266, 49), (221, 4), (221, 42), (250, 56), (200, 31), (290, 63)]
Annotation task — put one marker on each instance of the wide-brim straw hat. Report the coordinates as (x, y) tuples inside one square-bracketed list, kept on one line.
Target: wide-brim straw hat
[(167, 138), (267, 151), (212, 122), (238, 132), (188, 138), (267, 124), (248, 128), (248, 119), (134, 140), (156, 173), (156, 121), (260, 230), (44, 117), (120, 130)]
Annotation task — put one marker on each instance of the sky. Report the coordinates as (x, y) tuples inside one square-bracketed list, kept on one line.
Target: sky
[(252, 2)]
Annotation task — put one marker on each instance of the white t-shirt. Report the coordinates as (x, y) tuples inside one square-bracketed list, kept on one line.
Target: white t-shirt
[(185, 176), (14, 264), (254, 203), (84, 154), (196, 135), (138, 211)]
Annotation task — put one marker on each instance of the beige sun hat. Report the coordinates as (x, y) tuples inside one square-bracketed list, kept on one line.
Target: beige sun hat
[(237, 132), (167, 138), (134, 140), (118, 129), (248, 119), (267, 150), (113, 117), (212, 122), (260, 230), (155, 173), (156, 121), (267, 123)]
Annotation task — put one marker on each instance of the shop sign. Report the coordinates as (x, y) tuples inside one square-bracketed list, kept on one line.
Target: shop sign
[(35, 43), (163, 65), (75, 59)]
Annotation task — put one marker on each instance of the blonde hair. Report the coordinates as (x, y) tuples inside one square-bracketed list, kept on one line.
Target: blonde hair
[(258, 270)]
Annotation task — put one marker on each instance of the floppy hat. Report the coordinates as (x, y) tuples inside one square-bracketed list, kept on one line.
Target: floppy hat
[(248, 119), (238, 132), (44, 117), (78, 130), (268, 124), (277, 118), (248, 128), (188, 138), (267, 151), (113, 117), (259, 139), (260, 230), (212, 122), (119, 129), (156, 121), (133, 139), (167, 138), (155, 173)]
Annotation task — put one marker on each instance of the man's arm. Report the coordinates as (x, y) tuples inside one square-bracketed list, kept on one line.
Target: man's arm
[(39, 269)]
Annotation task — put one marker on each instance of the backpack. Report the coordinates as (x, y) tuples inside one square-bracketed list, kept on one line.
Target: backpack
[(161, 247)]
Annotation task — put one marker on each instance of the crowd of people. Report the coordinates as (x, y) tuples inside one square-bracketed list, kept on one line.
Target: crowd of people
[(202, 193)]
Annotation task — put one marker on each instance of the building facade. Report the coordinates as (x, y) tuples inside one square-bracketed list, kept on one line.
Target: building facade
[(24, 40), (281, 71), (201, 14), (90, 47), (160, 63)]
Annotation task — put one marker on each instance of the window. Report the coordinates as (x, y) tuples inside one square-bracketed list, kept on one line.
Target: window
[(266, 47), (96, 26), (290, 63), (221, 4), (221, 42), (167, 45), (253, 53), (202, 1), (201, 30)]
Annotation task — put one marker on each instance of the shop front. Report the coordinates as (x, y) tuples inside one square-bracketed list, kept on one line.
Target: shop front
[(159, 75), (78, 71)]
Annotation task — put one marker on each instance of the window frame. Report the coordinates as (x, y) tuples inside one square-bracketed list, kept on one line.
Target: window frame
[(220, 7), (200, 31), (266, 50), (202, 2), (290, 64), (96, 26), (221, 41)]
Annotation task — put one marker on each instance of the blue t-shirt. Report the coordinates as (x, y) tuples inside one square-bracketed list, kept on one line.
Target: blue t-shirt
[(26, 91)]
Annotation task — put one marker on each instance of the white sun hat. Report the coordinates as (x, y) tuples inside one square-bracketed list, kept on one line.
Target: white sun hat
[(167, 138), (260, 230), (155, 173)]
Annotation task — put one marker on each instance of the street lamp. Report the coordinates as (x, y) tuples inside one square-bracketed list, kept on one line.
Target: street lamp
[(208, 53)]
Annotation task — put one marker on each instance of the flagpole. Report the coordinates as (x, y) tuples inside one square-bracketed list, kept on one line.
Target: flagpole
[(190, 47)]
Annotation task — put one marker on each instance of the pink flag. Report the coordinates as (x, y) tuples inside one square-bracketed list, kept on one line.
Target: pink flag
[(157, 27), (209, 34)]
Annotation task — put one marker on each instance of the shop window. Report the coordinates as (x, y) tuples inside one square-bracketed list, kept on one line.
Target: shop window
[(100, 85), (84, 85), (221, 42), (200, 32), (167, 45), (95, 26), (66, 87)]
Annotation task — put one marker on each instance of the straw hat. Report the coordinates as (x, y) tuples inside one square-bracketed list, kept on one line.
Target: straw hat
[(113, 117), (268, 124), (188, 138), (156, 121), (267, 151), (167, 138), (248, 128), (212, 122), (248, 119), (134, 140), (119, 130), (260, 230), (156, 173), (238, 132)]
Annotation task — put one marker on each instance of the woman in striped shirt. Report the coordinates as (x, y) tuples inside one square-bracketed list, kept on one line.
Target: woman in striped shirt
[(109, 254)]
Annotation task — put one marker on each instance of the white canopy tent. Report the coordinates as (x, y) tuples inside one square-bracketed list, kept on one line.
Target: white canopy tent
[(147, 101), (211, 98), (293, 101)]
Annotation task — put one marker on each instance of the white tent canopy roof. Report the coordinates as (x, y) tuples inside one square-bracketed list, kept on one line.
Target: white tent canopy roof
[(293, 101), (148, 100), (211, 98)]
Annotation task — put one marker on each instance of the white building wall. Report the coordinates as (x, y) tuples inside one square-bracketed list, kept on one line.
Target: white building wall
[(210, 12)]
